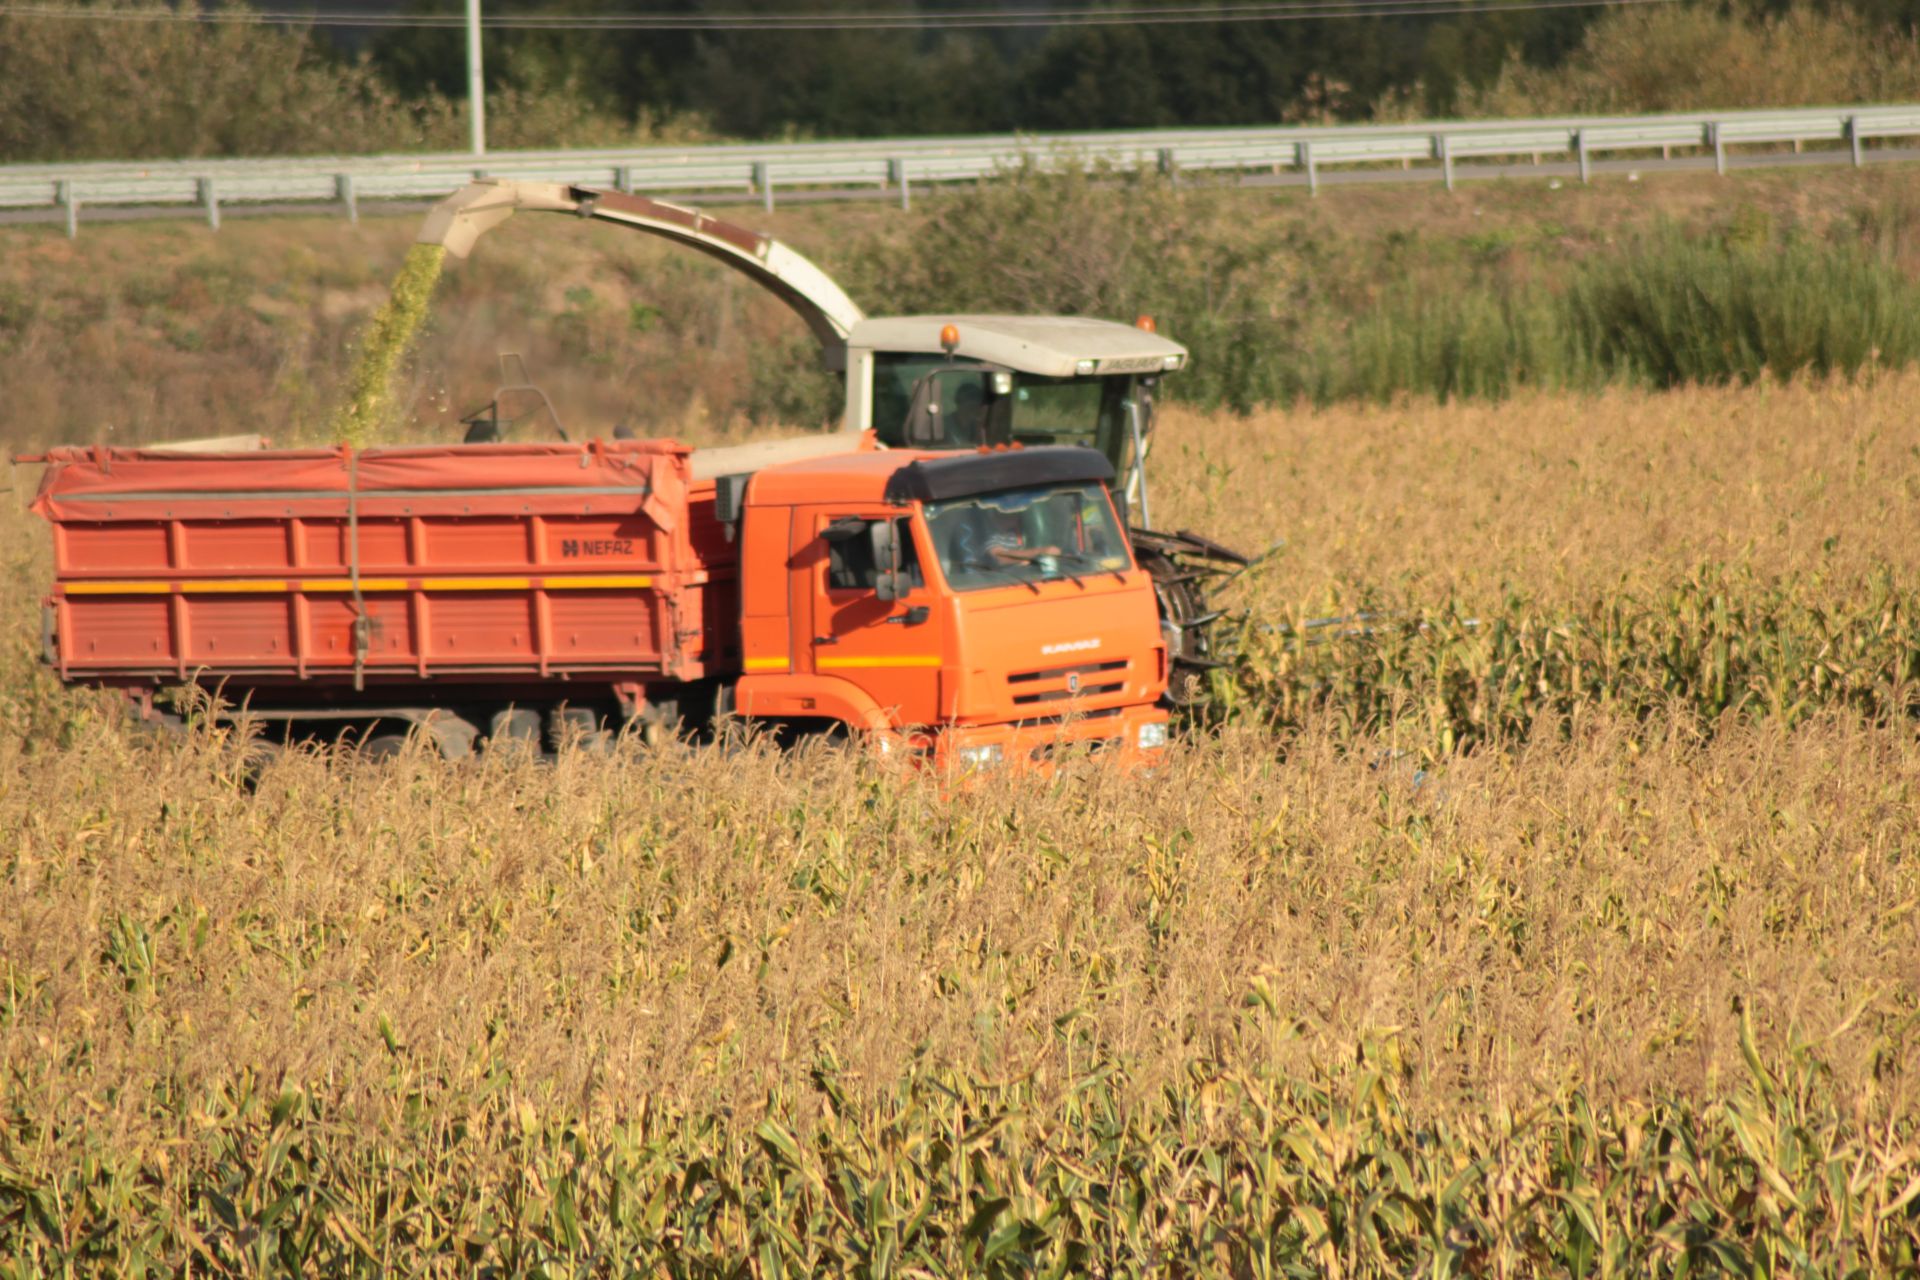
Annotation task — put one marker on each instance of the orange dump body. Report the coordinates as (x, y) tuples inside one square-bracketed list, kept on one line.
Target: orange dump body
[(324, 564)]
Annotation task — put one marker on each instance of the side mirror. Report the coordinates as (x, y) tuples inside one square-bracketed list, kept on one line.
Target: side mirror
[(730, 500), (885, 541)]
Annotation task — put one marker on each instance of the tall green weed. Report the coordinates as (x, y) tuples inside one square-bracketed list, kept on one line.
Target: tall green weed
[(1680, 310)]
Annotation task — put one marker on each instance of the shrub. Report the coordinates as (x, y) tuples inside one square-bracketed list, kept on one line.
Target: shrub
[(227, 89), (1680, 310), (1697, 57), (1273, 316)]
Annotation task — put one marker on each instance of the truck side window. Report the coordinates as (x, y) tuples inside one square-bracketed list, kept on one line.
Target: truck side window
[(850, 564), (909, 554)]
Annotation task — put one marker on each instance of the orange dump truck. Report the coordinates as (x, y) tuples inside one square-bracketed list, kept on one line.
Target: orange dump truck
[(965, 608)]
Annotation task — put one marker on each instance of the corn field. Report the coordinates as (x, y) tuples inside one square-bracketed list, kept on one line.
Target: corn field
[(1228, 1175), (1553, 911), (1710, 645)]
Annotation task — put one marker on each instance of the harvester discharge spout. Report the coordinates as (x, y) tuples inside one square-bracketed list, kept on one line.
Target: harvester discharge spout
[(463, 217)]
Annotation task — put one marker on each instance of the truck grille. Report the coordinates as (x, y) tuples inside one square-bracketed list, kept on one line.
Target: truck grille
[(1060, 684), (1070, 747), (1041, 722)]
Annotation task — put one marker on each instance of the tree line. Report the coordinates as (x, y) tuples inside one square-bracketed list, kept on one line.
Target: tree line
[(78, 89)]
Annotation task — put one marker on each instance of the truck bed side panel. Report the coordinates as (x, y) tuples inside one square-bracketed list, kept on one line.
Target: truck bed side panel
[(505, 561)]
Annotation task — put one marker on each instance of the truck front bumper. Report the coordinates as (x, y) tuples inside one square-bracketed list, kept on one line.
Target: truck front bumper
[(1128, 737)]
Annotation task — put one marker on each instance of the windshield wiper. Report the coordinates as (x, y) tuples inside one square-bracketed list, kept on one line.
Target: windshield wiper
[(1092, 562)]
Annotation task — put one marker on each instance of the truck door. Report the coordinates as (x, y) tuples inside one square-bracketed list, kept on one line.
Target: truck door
[(889, 648)]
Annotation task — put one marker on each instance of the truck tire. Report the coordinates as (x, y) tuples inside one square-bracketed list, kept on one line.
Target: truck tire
[(578, 728), (517, 726), (383, 746)]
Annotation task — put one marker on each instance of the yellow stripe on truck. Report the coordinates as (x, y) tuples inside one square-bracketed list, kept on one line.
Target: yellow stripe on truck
[(475, 584), (598, 581), (346, 584), (904, 660), (152, 587), (117, 588), (767, 664), (206, 586), (235, 584)]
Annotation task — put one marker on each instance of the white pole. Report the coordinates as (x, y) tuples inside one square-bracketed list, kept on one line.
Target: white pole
[(476, 92)]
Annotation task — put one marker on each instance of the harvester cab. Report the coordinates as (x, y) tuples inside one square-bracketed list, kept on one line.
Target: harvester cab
[(968, 382), (941, 382)]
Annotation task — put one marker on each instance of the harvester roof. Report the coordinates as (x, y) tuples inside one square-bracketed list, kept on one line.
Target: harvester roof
[(1051, 346)]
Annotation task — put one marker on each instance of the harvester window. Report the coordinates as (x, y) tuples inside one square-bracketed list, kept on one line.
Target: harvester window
[(894, 378), (961, 407), (1083, 411), (929, 402)]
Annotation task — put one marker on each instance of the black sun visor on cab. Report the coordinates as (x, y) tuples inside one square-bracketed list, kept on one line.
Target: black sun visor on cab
[(937, 479)]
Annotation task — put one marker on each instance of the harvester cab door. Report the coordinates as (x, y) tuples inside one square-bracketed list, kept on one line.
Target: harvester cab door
[(959, 407), (873, 618)]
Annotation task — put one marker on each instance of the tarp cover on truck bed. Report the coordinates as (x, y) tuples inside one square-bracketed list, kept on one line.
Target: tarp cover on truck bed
[(98, 484)]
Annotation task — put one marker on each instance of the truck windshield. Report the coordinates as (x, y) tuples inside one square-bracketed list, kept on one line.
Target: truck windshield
[(1026, 535)]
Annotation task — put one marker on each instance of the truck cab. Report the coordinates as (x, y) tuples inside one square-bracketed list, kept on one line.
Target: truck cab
[(970, 608)]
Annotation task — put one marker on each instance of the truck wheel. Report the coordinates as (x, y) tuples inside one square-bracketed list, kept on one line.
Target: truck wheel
[(384, 746), (518, 727), (382, 737), (451, 734), (579, 728)]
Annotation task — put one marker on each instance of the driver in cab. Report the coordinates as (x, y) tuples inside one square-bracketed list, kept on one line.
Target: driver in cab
[(990, 539), (967, 424)]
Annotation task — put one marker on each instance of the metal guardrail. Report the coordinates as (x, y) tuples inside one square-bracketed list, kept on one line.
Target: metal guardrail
[(890, 168)]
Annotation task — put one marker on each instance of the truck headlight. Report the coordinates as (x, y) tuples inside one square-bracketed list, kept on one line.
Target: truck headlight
[(979, 757), (1153, 736), (1084, 367), (1172, 363)]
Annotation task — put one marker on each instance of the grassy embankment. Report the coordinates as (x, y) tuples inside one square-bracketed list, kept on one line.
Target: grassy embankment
[(1631, 992), (144, 332)]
